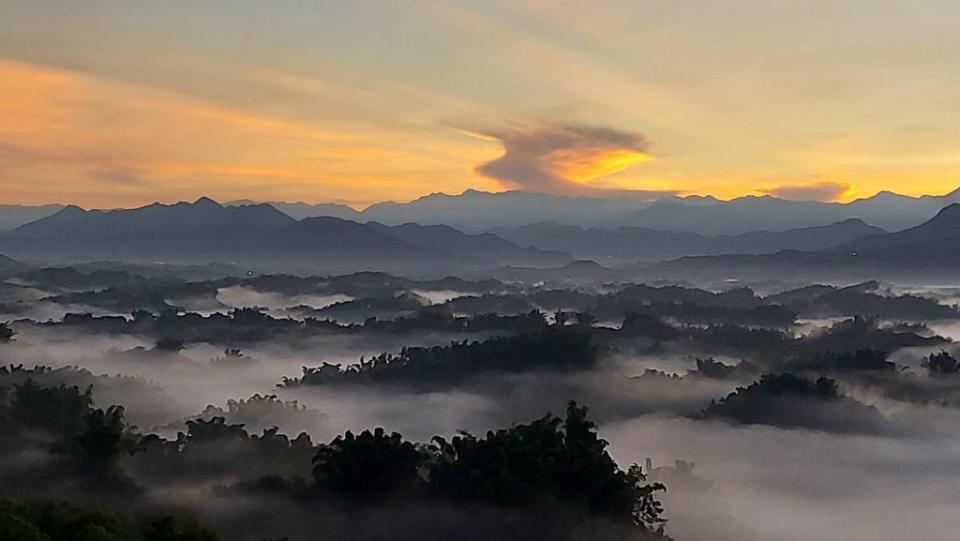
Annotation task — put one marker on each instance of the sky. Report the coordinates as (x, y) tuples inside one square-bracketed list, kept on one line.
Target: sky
[(108, 103)]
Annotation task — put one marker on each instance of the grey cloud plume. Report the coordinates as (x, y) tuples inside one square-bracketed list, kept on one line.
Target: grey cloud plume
[(556, 158)]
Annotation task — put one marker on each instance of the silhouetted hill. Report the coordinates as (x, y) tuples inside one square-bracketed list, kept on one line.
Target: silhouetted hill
[(340, 242), (203, 230), (486, 246), (300, 210), (259, 236), (766, 213), (637, 243), (945, 226), (930, 251)]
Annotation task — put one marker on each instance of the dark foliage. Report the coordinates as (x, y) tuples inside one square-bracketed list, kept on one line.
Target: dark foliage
[(105, 440), (789, 401), (370, 464), (556, 348), (6, 333), (212, 448), (712, 368), (59, 409), (864, 359), (168, 528), (60, 522), (942, 364), (549, 460)]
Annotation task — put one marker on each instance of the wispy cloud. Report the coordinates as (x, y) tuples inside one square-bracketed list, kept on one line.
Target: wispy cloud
[(818, 191)]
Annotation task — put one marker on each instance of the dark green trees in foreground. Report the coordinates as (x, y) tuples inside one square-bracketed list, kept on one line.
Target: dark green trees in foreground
[(556, 469), (551, 461), (59, 522)]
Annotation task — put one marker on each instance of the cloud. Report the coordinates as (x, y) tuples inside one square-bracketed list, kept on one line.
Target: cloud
[(818, 191), (118, 174), (561, 158)]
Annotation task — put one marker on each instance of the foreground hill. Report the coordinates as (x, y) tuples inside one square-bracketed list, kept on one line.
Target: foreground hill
[(259, 236), (638, 243)]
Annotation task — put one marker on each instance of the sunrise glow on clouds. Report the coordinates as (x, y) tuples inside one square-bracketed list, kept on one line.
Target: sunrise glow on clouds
[(109, 103)]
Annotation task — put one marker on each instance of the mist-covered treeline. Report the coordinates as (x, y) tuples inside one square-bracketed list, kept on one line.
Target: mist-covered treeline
[(369, 406)]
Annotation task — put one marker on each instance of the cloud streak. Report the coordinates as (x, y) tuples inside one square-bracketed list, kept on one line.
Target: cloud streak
[(818, 191)]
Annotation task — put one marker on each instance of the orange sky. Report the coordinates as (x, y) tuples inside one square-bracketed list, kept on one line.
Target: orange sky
[(116, 104)]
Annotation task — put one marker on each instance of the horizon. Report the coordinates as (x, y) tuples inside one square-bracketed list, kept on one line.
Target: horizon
[(362, 208)]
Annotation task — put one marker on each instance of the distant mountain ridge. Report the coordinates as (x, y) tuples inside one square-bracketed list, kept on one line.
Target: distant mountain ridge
[(929, 251), (478, 211), (301, 210), (13, 216), (638, 243), (255, 235)]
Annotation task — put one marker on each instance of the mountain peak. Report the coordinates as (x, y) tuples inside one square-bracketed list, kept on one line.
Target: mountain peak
[(886, 196), (206, 202), (946, 223), (70, 210)]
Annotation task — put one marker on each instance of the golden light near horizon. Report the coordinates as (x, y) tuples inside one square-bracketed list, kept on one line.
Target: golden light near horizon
[(586, 167), (132, 103)]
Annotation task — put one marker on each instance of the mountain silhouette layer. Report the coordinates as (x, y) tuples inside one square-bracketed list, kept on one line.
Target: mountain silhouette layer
[(478, 211), (929, 251), (639, 243), (255, 235)]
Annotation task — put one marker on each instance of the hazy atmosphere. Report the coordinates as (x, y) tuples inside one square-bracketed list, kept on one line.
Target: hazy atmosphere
[(479, 270)]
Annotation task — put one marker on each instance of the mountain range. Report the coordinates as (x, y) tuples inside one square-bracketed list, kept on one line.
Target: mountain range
[(628, 244), (478, 211), (927, 253), (258, 236)]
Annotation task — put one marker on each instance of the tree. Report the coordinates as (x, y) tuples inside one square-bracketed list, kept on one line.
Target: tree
[(60, 410), (940, 364), (168, 528), (6, 333), (370, 464), (547, 460), (91, 526), (169, 343), (106, 438), (16, 528)]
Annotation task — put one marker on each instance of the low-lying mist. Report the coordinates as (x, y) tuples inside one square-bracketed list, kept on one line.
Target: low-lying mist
[(827, 428)]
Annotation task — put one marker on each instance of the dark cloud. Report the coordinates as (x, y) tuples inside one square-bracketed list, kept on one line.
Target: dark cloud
[(560, 158), (818, 191)]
